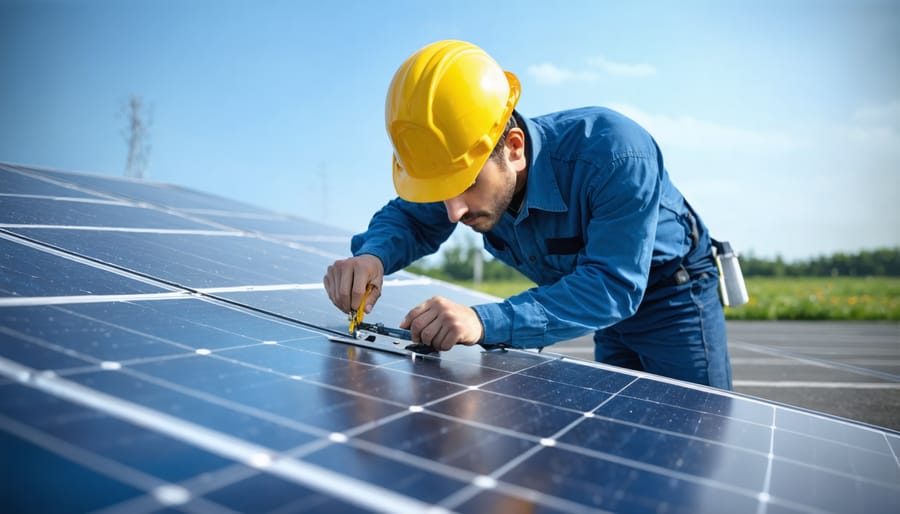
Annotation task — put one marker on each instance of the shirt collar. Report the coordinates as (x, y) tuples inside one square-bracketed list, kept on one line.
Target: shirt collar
[(543, 190)]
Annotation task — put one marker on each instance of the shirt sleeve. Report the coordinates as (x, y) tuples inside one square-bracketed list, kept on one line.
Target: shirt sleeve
[(611, 273), (402, 232)]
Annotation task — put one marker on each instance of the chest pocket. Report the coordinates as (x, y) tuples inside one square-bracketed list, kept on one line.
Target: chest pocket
[(562, 253)]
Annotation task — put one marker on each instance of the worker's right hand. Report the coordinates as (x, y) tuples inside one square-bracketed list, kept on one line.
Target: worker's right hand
[(346, 281)]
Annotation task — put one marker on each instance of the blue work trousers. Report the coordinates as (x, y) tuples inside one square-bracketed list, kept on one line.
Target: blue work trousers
[(678, 331)]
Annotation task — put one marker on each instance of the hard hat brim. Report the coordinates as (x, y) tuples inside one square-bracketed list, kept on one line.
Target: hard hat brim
[(435, 188)]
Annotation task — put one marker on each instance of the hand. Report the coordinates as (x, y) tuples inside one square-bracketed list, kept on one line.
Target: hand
[(346, 281), (442, 324)]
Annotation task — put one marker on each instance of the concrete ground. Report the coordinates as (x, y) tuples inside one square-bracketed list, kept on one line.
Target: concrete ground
[(848, 369)]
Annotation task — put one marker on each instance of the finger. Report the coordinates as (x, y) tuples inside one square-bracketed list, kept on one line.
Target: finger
[(419, 324), (344, 291), (332, 288), (435, 334), (429, 333), (374, 295), (360, 286), (414, 313), (451, 337), (442, 340), (327, 283)]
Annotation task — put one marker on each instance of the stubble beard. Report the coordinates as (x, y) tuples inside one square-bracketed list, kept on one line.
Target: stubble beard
[(488, 219)]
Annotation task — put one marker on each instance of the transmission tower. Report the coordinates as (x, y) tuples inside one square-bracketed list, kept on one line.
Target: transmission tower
[(137, 136)]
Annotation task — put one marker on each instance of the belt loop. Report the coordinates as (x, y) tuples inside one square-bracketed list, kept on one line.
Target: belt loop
[(695, 232)]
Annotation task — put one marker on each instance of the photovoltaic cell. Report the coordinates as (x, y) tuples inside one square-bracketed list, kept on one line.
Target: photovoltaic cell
[(688, 421), (587, 480), (548, 392), (197, 408), (16, 210), (191, 260), (137, 448), (21, 265), (736, 466), (266, 493), (178, 358), (102, 331), (38, 354), (73, 484), (283, 226), (12, 183), (161, 195)]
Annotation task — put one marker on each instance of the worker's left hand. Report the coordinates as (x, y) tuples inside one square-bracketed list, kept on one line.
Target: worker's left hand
[(442, 324)]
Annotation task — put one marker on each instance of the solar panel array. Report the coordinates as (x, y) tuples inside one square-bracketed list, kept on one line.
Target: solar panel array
[(164, 349)]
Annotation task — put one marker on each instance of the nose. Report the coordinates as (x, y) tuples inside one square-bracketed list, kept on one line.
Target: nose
[(456, 208)]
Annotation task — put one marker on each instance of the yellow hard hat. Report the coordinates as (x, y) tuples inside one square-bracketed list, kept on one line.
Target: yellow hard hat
[(446, 109)]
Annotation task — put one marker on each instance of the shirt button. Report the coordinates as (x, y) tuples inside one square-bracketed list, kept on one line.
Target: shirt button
[(533, 258)]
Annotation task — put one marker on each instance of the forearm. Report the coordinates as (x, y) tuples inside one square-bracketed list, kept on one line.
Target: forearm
[(402, 232), (575, 305)]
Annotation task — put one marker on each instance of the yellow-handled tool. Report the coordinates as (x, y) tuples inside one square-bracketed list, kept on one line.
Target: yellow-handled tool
[(356, 316)]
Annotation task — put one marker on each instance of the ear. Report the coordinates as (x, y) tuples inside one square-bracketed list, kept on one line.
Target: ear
[(515, 148)]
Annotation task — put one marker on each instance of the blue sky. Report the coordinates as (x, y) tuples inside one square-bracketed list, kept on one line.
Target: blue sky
[(778, 120)]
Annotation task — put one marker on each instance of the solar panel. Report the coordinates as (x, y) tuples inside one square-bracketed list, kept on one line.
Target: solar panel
[(164, 349)]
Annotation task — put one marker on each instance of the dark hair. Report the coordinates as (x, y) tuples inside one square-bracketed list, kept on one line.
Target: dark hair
[(497, 152)]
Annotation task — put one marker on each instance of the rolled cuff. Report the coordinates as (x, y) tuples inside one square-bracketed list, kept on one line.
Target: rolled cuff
[(497, 321), (378, 251)]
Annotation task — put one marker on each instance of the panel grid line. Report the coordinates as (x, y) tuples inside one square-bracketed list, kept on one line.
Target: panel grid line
[(767, 480), (97, 463), (891, 448), (465, 494), (82, 199), (28, 242), (341, 486), (108, 468), (67, 185), (362, 428), (223, 345), (198, 486), (133, 230)]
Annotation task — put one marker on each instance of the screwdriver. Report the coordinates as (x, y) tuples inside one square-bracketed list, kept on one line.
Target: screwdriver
[(356, 316)]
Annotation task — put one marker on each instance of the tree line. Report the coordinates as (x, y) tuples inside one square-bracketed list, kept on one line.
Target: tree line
[(458, 263), (884, 262)]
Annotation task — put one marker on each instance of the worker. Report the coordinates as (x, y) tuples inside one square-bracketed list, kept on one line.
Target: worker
[(579, 201)]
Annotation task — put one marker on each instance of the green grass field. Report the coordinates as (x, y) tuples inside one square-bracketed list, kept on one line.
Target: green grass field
[(813, 298), (821, 298)]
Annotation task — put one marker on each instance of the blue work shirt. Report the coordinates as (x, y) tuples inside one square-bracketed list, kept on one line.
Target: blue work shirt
[(600, 221)]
